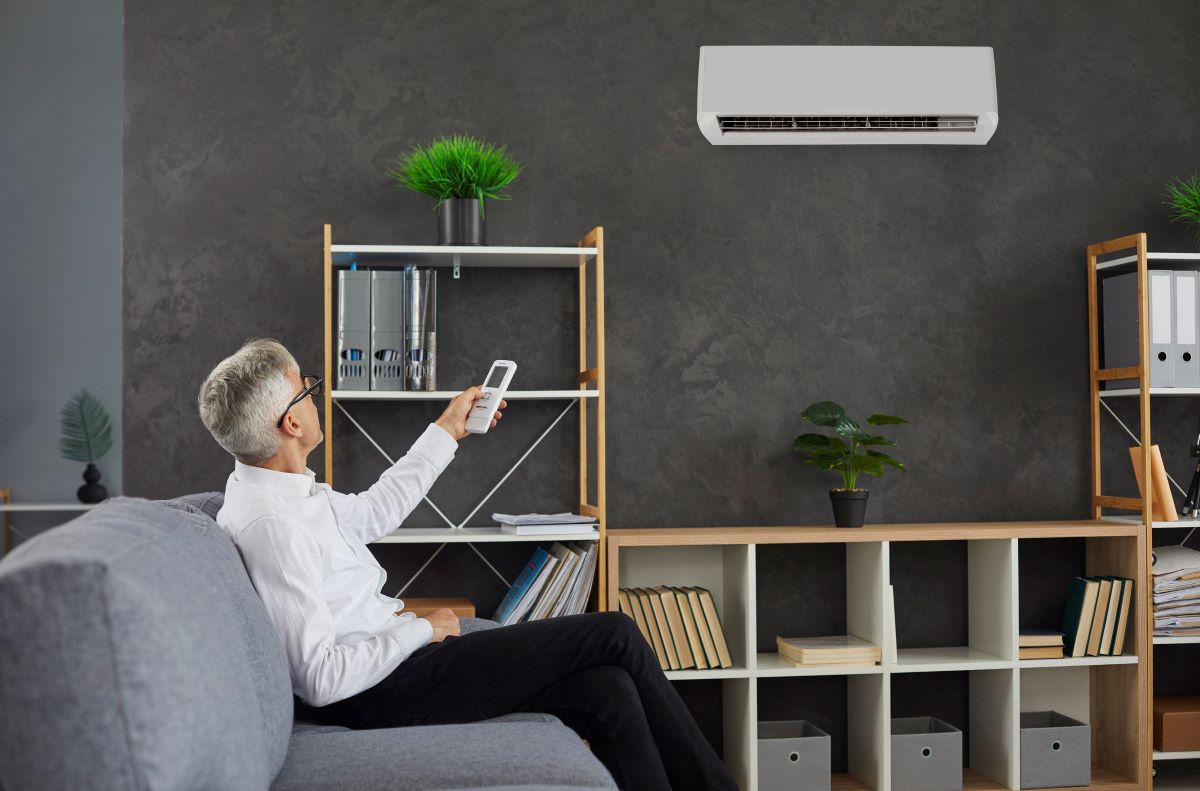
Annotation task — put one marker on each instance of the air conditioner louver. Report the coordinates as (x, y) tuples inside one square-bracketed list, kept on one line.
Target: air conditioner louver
[(847, 123)]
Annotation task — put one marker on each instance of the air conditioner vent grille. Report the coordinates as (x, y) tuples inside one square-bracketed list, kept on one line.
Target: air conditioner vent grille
[(848, 123)]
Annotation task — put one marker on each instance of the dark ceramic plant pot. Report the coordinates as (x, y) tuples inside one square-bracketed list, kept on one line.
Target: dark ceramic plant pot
[(92, 491), (459, 222), (849, 506)]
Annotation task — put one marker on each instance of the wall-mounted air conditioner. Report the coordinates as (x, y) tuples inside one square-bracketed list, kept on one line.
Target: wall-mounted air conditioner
[(773, 95)]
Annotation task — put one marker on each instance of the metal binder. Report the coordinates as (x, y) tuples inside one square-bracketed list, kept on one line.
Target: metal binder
[(387, 330), (1120, 327), (420, 329), (354, 326), (1187, 340)]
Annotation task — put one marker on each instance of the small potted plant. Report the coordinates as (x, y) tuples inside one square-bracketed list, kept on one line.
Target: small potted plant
[(1184, 198), (86, 436), (460, 171), (851, 451)]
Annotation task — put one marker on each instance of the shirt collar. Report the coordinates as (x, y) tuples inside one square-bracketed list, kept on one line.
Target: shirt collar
[(293, 483)]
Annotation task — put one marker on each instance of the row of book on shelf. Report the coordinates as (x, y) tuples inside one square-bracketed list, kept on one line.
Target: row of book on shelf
[(681, 624), (553, 583), (1094, 621)]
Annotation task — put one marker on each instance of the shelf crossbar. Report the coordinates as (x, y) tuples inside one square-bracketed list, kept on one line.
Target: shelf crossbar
[(475, 510)]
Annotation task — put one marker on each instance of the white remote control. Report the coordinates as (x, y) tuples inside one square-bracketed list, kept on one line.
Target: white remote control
[(494, 388)]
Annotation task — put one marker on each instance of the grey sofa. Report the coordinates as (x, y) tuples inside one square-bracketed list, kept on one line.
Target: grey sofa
[(135, 654)]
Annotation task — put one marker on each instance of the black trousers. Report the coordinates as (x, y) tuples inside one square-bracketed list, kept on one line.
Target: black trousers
[(595, 672)]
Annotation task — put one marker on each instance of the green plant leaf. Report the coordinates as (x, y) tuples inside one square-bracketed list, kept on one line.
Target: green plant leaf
[(885, 420), (86, 431), (809, 442), (877, 441), (825, 413), (886, 459), (865, 464), (458, 166)]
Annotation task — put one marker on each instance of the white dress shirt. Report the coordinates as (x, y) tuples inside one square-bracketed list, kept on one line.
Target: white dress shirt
[(304, 547)]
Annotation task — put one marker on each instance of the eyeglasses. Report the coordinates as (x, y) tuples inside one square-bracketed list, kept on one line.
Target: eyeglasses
[(312, 386)]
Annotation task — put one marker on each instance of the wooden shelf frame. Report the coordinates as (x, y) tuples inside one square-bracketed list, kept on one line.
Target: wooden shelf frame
[(587, 255), (1137, 692), (1102, 690)]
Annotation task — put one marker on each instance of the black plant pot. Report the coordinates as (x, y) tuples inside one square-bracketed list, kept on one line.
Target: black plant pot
[(849, 506), (92, 491), (459, 222)]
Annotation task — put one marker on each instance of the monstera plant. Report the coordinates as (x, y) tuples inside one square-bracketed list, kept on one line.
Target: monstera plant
[(850, 451)]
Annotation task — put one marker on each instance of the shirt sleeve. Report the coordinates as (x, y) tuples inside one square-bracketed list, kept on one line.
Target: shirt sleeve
[(284, 563), (379, 510)]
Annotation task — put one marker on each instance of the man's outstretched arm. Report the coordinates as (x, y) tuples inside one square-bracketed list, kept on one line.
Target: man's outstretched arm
[(381, 509)]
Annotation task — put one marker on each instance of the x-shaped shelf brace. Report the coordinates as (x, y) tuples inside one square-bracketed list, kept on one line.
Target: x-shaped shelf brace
[(474, 510), (1138, 442)]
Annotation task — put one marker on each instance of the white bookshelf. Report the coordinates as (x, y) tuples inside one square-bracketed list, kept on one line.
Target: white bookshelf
[(1000, 685)]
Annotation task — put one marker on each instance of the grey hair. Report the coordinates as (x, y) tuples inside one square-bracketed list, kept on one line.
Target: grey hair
[(242, 399)]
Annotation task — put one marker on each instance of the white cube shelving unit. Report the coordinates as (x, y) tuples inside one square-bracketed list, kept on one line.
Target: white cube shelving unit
[(1098, 690)]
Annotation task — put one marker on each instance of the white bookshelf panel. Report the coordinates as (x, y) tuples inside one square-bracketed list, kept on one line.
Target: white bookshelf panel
[(725, 570), (992, 596), (941, 660), (399, 255), (769, 665), (739, 728), (868, 730), (994, 732), (1153, 261), (866, 571)]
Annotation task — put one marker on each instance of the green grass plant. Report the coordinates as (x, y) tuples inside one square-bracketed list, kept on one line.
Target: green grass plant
[(459, 166)]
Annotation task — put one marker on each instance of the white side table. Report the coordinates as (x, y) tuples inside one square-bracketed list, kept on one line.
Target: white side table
[(7, 506)]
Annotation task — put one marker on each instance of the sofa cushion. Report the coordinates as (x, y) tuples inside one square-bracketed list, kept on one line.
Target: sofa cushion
[(136, 654), (488, 754)]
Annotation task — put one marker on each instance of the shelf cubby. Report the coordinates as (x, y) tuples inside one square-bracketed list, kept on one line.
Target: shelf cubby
[(813, 590), (1069, 691), (955, 604), (851, 709), (726, 571)]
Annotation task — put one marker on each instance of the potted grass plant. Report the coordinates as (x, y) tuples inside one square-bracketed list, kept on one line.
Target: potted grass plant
[(86, 436), (462, 173), (1184, 197), (851, 452)]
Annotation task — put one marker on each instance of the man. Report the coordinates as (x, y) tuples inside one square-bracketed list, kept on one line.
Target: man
[(356, 659)]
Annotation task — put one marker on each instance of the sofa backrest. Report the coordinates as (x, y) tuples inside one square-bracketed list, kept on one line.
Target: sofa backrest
[(135, 653)]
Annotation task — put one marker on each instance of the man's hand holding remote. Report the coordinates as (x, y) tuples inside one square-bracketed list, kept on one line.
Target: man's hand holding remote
[(454, 419)]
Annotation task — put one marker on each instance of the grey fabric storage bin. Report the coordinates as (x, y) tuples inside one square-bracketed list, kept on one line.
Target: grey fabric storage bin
[(1056, 751), (926, 755), (793, 754)]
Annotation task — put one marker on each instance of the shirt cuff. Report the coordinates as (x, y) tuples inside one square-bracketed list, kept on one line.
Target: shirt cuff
[(435, 445)]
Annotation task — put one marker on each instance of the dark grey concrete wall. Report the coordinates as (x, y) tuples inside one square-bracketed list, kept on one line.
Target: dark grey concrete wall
[(944, 284), (60, 213)]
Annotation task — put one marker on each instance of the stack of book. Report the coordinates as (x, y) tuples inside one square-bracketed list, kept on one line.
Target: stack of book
[(552, 583), (546, 524), (1096, 616), (842, 649), (1040, 644), (681, 624), (1176, 591)]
